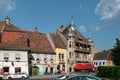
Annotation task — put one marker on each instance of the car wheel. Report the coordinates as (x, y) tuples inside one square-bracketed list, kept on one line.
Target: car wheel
[(23, 77), (1, 78), (9, 78)]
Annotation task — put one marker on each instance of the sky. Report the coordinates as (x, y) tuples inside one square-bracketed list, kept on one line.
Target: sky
[(99, 19)]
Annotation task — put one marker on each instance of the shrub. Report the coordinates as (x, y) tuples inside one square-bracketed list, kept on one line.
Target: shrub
[(109, 71)]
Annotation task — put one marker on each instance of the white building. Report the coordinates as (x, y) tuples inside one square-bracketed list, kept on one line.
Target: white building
[(13, 49), (12, 61), (103, 59), (43, 55)]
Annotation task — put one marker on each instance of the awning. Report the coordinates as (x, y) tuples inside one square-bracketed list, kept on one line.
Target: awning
[(49, 65), (79, 66)]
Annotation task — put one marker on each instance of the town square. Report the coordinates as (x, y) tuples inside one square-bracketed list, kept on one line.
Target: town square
[(60, 40)]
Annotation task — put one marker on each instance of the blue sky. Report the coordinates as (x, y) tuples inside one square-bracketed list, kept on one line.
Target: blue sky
[(98, 18)]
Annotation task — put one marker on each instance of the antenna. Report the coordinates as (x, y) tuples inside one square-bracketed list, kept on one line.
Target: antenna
[(72, 17), (88, 32), (72, 23)]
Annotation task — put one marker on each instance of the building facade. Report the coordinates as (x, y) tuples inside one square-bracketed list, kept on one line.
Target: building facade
[(103, 59), (41, 53), (61, 52), (43, 61), (13, 49), (79, 48), (12, 61)]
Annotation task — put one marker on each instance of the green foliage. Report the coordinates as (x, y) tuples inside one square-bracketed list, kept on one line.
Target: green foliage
[(109, 71), (30, 71), (116, 53)]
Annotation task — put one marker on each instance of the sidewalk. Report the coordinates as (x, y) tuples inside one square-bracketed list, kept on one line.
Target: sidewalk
[(44, 76)]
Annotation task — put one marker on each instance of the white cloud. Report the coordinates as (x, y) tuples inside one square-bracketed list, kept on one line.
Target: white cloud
[(7, 6), (99, 28), (82, 29), (108, 9)]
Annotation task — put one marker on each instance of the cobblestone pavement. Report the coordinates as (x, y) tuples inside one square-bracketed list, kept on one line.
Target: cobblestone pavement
[(43, 77)]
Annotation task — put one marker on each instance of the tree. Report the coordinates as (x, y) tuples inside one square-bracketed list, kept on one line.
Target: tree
[(116, 53)]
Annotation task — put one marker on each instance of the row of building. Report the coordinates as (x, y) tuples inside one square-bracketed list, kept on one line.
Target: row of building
[(39, 53)]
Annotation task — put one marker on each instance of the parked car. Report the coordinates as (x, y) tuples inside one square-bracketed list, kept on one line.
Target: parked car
[(83, 77), (79, 77), (63, 77), (17, 75)]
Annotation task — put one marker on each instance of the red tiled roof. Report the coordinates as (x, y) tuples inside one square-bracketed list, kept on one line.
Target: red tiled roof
[(19, 43), (58, 41), (8, 27), (39, 42), (2, 24), (10, 36)]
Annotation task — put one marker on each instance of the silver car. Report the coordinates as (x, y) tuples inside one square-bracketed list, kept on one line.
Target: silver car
[(78, 77), (83, 77), (17, 75)]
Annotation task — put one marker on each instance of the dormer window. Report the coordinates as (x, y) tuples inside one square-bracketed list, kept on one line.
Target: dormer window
[(7, 21), (17, 57), (6, 57)]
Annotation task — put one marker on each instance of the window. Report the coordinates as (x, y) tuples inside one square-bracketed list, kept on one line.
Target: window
[(103, 63), (51, 60), (99, 63), (17, 69), (6, 56), (6, 70), (63, 67), (70, 44), (84, 56), (45, 60), (38, 60), (58, 67), (17, 57), (61, 57), (96, 63), (70, 55)]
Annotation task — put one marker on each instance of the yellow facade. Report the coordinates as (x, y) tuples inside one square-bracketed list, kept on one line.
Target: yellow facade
[(110, 63), (61, 59)]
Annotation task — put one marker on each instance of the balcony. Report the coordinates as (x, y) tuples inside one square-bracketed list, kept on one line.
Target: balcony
[(80, 49), (82, 60)]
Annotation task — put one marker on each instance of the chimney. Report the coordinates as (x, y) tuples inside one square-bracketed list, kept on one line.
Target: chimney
[(61, 29), (36, 29), (7, 21)]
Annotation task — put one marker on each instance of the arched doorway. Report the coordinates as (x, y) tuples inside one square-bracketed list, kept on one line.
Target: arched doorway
[(35, 70)]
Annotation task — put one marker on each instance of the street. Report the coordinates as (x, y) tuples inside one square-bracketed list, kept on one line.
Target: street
[(43, 77), (40, 77)]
